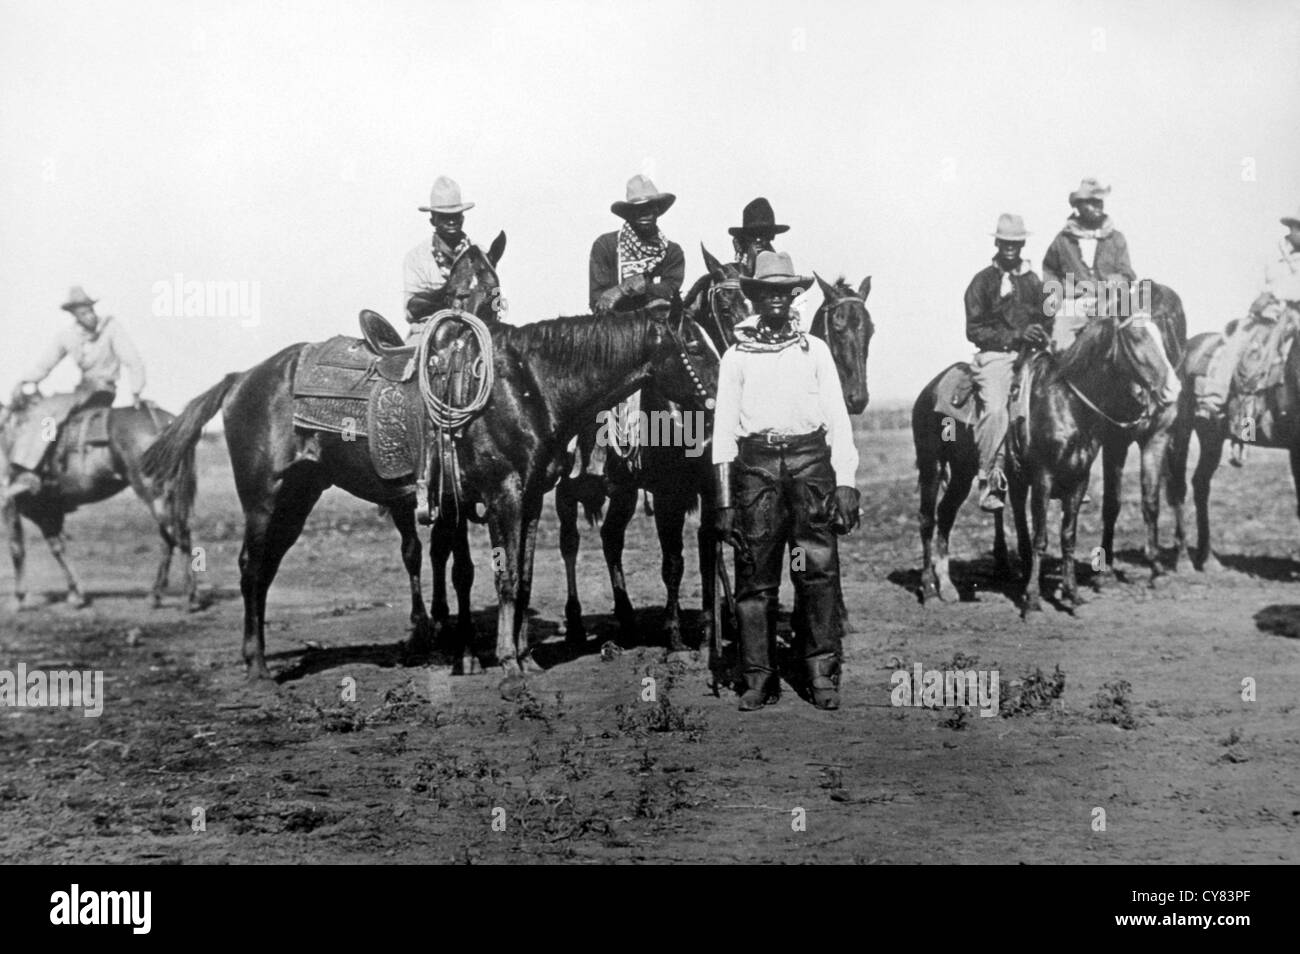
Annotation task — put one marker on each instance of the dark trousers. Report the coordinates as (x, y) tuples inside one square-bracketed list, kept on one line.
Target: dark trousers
[(784, 494)]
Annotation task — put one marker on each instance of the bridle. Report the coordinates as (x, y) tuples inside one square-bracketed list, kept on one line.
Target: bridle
[(1117, 346), (706, 398), (711, 304)]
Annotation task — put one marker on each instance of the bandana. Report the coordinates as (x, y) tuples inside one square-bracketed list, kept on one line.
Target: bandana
[(760, 337), (1072, 227), (636, 257), (1007, 286), (445, 257)]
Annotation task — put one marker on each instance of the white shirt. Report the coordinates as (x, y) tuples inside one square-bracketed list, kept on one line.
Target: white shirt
[(1088, 249), (100, 355), (791, 391)]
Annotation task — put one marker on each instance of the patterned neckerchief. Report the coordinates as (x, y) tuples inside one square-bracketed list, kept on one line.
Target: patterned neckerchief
[(761, 337), (445, 257), (636, 257)]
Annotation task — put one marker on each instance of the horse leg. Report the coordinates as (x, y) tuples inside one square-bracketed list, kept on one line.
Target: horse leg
[(1176, 472), (462, 580), (18, 553), (1114, 452), (505, 527), (271, 529), (440, 547), (1155, 454), (1295, 473), (622, 505), (51, 528), (165, 550), (670, 518), (1210, 437), (524, 592), (931, 475), (707, 544), (1070, 504), (566, 510), (1038, 495), (403, 517), (1001, 561), (954, 495)]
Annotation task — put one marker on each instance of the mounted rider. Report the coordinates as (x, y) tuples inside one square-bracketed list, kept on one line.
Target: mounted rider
[(1272, 322), (101, 348), (634, 267), (1085, 264), (785, 467), (427, 266), (1005, 312), (758, 226)]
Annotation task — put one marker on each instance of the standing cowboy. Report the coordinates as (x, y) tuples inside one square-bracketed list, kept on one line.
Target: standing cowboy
[(100, 347), (1281, 292), (1004, 312), (427, 266), (1089, 255), (632, 268), (781, 418), (755, 233)]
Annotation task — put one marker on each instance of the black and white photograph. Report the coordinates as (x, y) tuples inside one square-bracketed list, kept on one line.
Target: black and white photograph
[(561, 432)]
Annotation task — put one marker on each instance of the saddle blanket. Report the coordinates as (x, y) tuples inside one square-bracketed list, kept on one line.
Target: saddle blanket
[(954, 395)]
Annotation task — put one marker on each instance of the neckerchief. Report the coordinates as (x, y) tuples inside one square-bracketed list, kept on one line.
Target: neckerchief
[(1007, 286), (445, 257), (1072, 227), (636, 257), (760, 337)]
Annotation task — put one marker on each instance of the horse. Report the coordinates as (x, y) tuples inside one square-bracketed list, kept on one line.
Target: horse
[(548, 379), (1210, 435), (1106, 375), (265, 435), (947, 460), (86, 475), (682, 481)]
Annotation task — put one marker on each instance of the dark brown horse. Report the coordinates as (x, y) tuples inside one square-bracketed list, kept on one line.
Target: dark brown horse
[(550, 377), (1107, 375), (95, 474), (947, 461), (1210, 435)]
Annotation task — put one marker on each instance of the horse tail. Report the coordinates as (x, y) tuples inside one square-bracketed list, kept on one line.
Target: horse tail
[(171, 455)]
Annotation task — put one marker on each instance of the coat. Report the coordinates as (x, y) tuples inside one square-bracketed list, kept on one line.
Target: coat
[(995, 322), (602, 273), (1064, 256)]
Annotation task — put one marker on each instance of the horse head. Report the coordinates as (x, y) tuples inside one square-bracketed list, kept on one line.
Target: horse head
[(685, 360), (473, 285), (1121, 357), (724, 305), (844, 323)]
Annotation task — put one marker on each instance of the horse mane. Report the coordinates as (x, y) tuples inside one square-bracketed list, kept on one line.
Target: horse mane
[(580, 340)]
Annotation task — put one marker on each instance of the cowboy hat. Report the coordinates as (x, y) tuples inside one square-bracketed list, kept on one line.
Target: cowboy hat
[(773, 270), (758, 220), (1011, 228), (445, 198), (1289, 220), (1089, 188), (77, 298), (640, 193)]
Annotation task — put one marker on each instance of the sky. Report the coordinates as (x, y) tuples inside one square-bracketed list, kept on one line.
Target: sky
[(286, 147)]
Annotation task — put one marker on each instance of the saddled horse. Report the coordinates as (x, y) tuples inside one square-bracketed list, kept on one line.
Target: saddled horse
[(1210, 435), (88, 468), (947, 458), (1072, 400), (681, 478), (275, 470), (547, 379)]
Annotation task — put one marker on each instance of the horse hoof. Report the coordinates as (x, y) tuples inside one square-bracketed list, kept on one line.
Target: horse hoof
[(1032, 611), (948, 593), (77, 600), (529, 664), (1183, 564), (512, 686), (257, 672), (27, 603), (575, 633), (156, 601), (1212, 565)]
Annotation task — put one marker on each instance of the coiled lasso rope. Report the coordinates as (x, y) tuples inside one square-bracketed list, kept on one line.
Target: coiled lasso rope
[(446, 416)]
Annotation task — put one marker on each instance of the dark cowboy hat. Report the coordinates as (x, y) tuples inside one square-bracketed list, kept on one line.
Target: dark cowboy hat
[(640, 193), (1089, 188), (758, 220), (773, 270), (77, 297)]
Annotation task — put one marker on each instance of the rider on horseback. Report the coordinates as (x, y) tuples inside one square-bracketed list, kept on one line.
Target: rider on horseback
[(635, 267), (1279, 298), (755, 233), (100, 347), (1004, 313), (425, 270), (1086, 259)]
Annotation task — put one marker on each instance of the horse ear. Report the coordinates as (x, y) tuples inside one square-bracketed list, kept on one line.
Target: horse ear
[(865, 288), (828, 290), (713, 265), (497, 249)]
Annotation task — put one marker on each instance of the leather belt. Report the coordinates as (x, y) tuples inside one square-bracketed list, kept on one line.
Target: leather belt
[(785, 441)]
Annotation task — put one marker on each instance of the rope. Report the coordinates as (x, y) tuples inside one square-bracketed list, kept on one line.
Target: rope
[(447, 416)]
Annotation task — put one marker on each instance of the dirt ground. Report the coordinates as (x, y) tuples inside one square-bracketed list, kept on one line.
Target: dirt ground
[(420, 766)]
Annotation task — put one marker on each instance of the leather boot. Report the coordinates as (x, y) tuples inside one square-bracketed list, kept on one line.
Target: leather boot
[(824, 681), (760, 691), (24, 482)]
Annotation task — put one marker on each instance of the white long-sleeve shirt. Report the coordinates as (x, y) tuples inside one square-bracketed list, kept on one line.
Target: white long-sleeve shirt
[(791, 391), (100, 355)]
